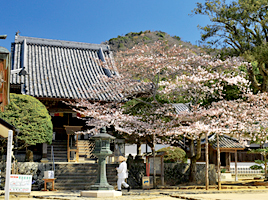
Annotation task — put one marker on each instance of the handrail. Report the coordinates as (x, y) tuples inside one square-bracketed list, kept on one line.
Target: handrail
[(52, 158)]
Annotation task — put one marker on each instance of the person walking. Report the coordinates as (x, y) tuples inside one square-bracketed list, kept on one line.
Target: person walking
[(122, 174)]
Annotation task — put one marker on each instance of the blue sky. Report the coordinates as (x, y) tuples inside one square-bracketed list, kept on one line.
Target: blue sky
[(95, 21)]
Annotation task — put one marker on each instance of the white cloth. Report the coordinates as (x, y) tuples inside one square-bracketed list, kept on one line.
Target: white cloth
[(122, 175), (120, 182), (122, 170)]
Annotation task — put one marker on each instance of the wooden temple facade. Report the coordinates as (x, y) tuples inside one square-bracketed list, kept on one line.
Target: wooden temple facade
[(54, 71)]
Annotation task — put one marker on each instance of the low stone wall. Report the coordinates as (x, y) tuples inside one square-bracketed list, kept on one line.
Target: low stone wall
[(27, 168), (175, 173), (178, 173)]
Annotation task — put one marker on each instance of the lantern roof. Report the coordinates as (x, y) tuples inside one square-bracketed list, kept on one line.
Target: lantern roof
[(103, 135)]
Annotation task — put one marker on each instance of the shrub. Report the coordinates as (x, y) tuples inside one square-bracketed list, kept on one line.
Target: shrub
[(31, 117), (174, 154)]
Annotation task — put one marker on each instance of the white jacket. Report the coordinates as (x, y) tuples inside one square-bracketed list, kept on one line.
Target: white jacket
[(122, 170)]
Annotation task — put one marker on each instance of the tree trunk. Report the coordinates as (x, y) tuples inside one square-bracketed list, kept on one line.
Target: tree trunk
[(265, 165), (260, 86), (138, 149), (194, 157), (29, 156), (207, 163)]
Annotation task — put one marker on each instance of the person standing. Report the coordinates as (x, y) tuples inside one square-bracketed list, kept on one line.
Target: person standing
[(122, 174)]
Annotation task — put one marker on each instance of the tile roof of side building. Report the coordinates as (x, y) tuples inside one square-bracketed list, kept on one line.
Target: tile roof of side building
[(225, 142), (62, 69)]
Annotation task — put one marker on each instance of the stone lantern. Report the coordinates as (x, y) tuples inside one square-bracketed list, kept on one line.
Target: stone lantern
[(102, 188), (102, 150)]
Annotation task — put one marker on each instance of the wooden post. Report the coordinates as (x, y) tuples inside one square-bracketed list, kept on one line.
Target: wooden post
[(77, 150), (162, 171), (207, 162), (219, 162), (236, 177), (154, 164), (68, 148), (229, 161)]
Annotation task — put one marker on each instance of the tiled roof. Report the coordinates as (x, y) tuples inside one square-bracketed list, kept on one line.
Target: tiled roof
[(225, 142), (181, 107), (62, 69)]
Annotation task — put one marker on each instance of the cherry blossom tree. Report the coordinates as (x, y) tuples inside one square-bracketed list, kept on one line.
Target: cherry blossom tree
[(178, 74), (245, 119), (153, 77)]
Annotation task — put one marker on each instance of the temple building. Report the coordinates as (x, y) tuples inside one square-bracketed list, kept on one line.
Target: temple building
[(54, 71)]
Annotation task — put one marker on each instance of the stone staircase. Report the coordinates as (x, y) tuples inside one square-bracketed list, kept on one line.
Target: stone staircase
[(59, 149), (80, 176)]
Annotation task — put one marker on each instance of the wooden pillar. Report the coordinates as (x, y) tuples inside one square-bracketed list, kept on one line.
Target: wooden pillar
[(207, 162), (229, 161), (236, 177), (77, 150), (68, 148), (219, 162), (162, 171)]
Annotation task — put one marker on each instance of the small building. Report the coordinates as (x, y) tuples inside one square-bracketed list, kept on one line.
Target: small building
[(229, 149)]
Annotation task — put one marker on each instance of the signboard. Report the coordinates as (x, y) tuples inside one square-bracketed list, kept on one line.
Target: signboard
[(145, 182), (20, 183), (157, 165)]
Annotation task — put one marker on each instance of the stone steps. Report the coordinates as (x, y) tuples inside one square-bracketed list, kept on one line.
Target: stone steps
[(80, 176), (59, 150)]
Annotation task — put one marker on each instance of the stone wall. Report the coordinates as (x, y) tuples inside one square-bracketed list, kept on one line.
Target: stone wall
[(178, 173), (175, 173), (27, 168)]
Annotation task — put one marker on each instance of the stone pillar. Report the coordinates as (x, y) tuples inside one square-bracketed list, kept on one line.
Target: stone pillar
[(44, 153)]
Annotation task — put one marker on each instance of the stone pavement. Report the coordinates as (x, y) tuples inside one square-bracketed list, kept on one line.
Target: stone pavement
[(153, 194)]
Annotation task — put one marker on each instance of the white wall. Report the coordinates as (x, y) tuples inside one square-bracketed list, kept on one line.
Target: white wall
[(132, 148)]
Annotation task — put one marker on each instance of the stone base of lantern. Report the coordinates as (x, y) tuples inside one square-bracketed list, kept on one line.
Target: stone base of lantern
[(101, 193)]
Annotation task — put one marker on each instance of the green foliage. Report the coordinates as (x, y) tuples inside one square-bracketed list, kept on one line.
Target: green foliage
[(223, 170), (173, 154), (136, 107), (260, 162), (178, 174), (264, 152), (148, 37), (31, 117), (177, 38), (135, 173), (161, 34), (121, 45), (255, 167), (241, 27)]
